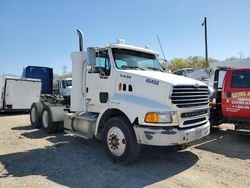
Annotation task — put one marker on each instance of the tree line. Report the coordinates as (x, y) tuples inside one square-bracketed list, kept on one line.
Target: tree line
[(191, 62)]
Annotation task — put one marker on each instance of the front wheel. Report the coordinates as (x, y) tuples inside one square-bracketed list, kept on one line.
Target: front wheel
[(120, 141)]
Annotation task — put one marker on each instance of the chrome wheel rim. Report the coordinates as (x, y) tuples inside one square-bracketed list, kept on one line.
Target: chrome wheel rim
[(116, 141), (33, 115), (45, 119)]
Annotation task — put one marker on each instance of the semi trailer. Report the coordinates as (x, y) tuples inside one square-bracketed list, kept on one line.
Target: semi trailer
[(121, 95), (17, 94)]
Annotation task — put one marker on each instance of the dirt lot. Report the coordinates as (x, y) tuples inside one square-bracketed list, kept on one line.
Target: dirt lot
[(31, 158)]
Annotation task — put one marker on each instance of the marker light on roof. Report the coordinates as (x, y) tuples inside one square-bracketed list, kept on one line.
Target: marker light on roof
[(120, 41)]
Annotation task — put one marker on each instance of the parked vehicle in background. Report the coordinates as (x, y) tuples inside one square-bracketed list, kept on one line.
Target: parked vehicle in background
[(17, 94), (197, 74), (231, 100), (121, 95), (64, 87), (45, 74), (183, 72)]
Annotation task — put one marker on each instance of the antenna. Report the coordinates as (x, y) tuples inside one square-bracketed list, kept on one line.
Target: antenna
[(161, 48), (64, 69)]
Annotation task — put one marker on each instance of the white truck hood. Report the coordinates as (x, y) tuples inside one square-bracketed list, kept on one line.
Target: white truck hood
[(165, 77)]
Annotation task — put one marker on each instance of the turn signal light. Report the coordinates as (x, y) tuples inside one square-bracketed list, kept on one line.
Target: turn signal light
[(151, 117)]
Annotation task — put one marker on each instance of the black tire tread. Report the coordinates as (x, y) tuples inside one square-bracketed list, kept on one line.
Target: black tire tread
[(52, 127), (132, 149), (38, 107)]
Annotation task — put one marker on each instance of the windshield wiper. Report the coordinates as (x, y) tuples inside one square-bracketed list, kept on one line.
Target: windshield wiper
[(131, 67), (153, 68)]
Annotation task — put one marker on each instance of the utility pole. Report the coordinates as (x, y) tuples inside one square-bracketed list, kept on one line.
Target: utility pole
[(206, 54)]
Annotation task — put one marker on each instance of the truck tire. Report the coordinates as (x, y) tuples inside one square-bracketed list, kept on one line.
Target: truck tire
[(47, 120), (60, 127), (36, 115), (120, 141)]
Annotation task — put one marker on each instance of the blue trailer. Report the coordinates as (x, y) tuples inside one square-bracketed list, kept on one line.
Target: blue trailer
[(45, 74)]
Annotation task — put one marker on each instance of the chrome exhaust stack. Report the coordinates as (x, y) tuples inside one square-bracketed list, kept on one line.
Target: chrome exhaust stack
[(80, 35)]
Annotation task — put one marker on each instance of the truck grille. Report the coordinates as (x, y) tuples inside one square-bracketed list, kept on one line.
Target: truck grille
[(190, 96)]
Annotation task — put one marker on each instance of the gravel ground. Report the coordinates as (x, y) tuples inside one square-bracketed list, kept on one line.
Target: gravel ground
[(31, 158)]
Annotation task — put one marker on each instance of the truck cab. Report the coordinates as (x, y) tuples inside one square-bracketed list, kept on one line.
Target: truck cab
[(121, 96), (236, 94), (163, 109), (232, 102), (64, 87), (45, 74)]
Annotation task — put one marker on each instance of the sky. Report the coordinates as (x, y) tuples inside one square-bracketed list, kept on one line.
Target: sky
[(42, 32)]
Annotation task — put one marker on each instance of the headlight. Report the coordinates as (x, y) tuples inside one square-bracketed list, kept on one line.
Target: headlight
[(154, 117), (165, 118)]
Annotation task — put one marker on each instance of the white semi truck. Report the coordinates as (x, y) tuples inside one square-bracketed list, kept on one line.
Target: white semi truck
[(121, 96), (64, 87)]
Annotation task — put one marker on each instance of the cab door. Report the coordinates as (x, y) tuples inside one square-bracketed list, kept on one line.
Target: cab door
[(236, 94), (98, 80)]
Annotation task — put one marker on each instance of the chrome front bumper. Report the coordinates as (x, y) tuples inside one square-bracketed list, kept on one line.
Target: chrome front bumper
[(168, 136)]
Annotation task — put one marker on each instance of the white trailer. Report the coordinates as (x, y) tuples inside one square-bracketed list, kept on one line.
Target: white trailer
[(17, 94), (121, 96)]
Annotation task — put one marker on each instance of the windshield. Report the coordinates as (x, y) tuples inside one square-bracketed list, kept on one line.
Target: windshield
[(129, 59), (68, 83)]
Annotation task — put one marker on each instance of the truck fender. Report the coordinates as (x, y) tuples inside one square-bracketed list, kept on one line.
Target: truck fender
[(108, 109), (132, 107)]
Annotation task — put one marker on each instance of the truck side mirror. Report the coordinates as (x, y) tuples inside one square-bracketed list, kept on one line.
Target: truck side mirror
[(91, 56), (163, 64)]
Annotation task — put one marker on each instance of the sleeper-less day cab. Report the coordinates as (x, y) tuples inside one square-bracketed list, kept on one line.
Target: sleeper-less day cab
[(121, 95)]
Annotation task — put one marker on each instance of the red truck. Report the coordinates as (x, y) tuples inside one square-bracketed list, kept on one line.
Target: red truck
[(231, 98)]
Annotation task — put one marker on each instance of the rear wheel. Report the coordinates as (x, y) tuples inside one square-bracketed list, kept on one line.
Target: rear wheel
[(36, 115), (47, 120), (120, 140)]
